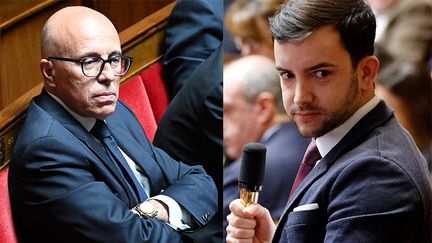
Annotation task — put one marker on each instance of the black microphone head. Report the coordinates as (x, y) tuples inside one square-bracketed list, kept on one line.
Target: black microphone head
[(252, 167)]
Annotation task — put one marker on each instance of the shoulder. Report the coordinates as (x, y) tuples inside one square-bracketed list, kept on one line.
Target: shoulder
[(37, 125), (123, 116), (287, 135)]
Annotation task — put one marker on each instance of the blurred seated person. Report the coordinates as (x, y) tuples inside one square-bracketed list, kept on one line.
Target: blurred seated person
[(191, 131), (404, 28), (191, 128), (253, 112), (193, 33), (83, 169), (247, 21), (407, 87)]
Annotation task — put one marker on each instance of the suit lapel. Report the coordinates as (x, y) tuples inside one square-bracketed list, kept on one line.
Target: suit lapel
[(135, 151), (72, 125), (380, 114)]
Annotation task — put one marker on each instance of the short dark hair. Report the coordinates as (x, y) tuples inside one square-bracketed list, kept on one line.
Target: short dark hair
[(353, 19)]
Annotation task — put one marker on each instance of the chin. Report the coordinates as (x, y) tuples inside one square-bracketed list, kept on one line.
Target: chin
[(309, 132), (101, 115)]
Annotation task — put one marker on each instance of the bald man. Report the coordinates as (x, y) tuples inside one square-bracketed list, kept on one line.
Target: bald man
[(83, 169)]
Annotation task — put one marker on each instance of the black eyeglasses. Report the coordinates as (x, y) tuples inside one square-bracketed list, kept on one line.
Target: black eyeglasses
[(93, 66)]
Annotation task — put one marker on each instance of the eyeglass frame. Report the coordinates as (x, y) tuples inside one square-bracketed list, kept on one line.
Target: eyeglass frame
[(81, 61)]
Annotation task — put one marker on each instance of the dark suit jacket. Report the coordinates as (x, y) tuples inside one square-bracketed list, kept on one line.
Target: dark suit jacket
[(285, 149), (64, 189), (373, 186), (191, 130), (194, 31)]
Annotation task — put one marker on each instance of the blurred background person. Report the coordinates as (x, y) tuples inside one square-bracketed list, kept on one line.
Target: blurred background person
[(247, 21), (230, 49), (193, 33), (254, 112), (407, 87), (404, 28)]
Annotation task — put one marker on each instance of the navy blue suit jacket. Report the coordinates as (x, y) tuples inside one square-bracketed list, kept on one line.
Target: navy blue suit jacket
[(64, 189), (191, 131), (194, 31), (285, 149), (373, 186)]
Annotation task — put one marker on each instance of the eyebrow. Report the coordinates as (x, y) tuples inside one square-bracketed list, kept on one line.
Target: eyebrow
[(95, 54), (314, 67), (319, 65)]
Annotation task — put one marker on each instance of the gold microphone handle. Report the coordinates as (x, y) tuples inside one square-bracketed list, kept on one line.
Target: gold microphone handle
[(248, 197)]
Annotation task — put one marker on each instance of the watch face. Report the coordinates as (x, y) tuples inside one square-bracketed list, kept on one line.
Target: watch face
[(147, 208)]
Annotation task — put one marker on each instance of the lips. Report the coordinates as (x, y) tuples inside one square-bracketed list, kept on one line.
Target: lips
[(105, 97), (305, 116)]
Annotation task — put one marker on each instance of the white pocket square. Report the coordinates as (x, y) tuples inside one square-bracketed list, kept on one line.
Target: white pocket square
[(306, 207)]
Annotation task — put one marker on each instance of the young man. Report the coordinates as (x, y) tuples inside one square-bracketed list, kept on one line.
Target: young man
[(370, 183), (83, 169)]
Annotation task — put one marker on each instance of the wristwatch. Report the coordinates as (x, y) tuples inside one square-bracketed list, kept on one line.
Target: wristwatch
[(146, 209)]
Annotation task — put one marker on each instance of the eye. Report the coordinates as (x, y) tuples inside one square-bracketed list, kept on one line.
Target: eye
[(115, 60), (286, 75), (89, 61), (322, 73)]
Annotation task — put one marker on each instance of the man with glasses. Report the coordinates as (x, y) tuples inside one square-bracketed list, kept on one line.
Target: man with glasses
[(83, 169)]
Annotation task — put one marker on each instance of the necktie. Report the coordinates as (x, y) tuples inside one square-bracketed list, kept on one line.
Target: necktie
[(100, 131), (310, 158)]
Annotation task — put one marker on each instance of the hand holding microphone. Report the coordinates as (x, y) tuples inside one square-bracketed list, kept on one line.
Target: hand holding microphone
[(252, 172), (250, 184)]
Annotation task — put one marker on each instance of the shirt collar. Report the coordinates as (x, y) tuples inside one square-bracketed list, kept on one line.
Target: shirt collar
[(326, 142), (269, 132), (86, 122)]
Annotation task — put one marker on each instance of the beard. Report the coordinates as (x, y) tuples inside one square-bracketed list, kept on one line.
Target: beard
[(342, 111)]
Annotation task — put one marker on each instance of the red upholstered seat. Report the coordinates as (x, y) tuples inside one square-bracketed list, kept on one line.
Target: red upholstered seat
[(147, 96), (156, 90), (7, 230), (134, 94)]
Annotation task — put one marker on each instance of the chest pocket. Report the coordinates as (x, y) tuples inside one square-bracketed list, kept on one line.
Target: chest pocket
[(305, 226)]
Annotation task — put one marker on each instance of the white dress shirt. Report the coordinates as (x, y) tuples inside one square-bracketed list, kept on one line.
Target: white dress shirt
[(326, 142)]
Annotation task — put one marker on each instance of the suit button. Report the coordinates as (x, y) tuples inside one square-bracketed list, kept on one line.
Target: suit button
[(206, 217)]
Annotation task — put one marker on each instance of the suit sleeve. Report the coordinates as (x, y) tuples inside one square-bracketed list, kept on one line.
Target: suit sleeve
[(57, 182), (194, 31), (189, 186), (373, 201)]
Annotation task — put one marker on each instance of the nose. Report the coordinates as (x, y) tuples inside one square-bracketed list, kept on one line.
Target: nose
[(302, 92), (107, 74)]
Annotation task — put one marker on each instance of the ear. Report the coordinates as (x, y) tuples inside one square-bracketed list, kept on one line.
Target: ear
[(367, 71), (266, 106), (47, 72)]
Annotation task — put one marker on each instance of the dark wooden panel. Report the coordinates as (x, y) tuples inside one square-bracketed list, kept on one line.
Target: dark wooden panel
[(12, 11), (126, 12)]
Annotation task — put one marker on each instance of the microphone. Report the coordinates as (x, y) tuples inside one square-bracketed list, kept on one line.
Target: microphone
[(251, 172)]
